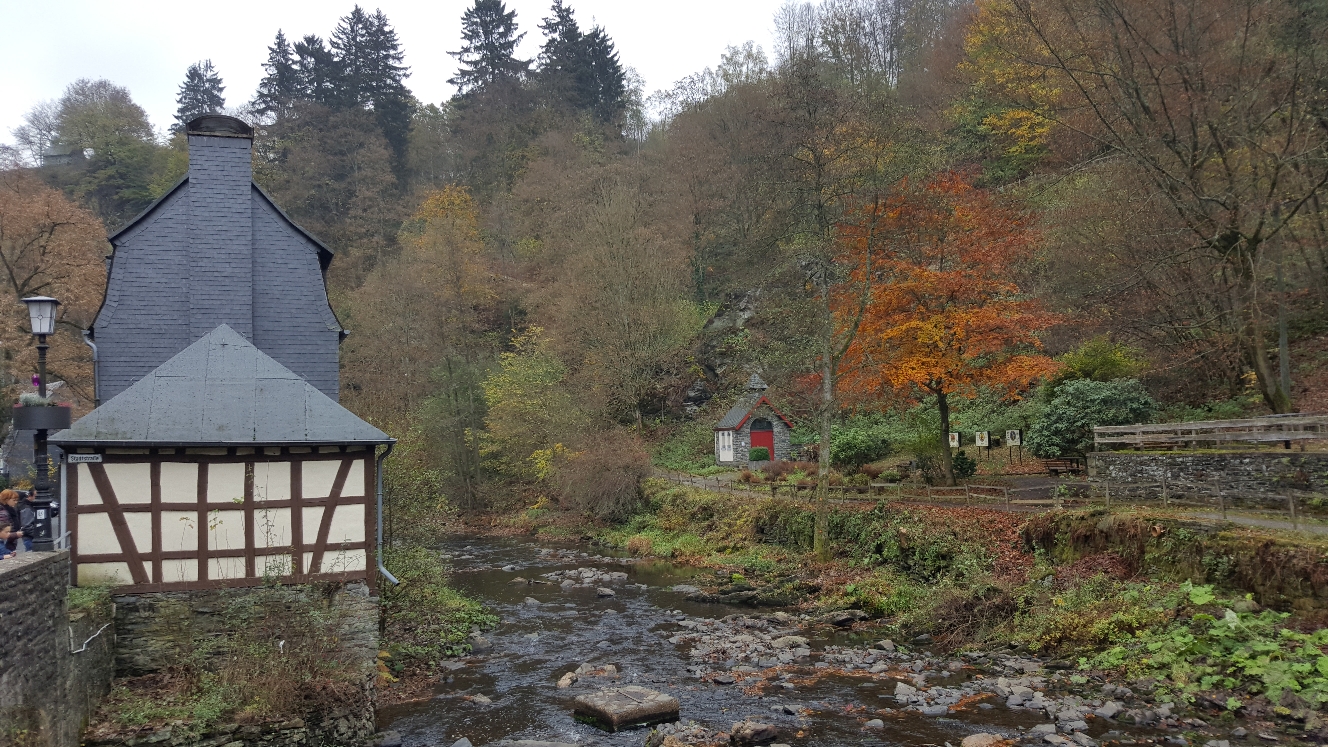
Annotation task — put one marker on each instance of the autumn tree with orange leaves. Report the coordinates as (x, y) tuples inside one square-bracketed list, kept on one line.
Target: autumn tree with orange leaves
[(946, 314)]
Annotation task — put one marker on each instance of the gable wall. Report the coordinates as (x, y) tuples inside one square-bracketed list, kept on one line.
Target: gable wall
[(142, 322), (215, 252), (293, 322)]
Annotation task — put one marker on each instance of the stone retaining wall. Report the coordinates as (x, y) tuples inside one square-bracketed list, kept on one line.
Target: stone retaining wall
[(156, 630), (55, 666), (1263, 478)]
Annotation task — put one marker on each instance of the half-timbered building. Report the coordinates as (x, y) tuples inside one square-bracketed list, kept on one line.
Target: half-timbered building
[(219, 455)]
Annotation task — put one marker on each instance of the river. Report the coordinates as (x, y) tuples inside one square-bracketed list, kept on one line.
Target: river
[(535, 644)]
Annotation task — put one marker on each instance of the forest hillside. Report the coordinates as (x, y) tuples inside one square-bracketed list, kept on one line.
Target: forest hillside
[(910, 217)]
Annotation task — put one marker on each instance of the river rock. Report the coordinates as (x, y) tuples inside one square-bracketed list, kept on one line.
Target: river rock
[(616, 707), (389, 739), (518, 580), (479, 644), (934, 710), (481, 699), (886, 645), (532, 601), (566, 680), (789, 641), (530, 743), (752, 732), (875, 723), (686, 589), (603, 592), (723, 679), (1108, 710), (982, 739), (462, 742)]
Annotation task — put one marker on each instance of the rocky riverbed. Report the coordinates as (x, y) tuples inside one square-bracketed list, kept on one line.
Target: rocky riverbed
[(576, 623)]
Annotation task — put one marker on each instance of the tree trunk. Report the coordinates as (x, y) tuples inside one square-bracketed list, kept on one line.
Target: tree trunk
[(821, 537), (947, 463), (1277, 399)]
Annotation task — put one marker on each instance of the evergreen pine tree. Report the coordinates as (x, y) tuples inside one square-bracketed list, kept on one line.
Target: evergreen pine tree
[(317, 72), (489, 36), (280, 84), (605, 95), (200, 94), (350, 44), (564, 66), (384, 85)]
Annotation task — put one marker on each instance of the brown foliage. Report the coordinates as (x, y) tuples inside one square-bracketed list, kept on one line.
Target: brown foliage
[(48, 247), (605, 478)]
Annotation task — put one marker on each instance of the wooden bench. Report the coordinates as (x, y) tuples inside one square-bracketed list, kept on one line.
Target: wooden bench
[(1063, 466)]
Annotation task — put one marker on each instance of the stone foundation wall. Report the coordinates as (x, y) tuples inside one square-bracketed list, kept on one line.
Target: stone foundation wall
[(1262, 478), (156, 630), (54, 667), (153, 630)]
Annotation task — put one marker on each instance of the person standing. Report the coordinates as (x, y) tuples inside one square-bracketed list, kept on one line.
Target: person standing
[(10, 515)]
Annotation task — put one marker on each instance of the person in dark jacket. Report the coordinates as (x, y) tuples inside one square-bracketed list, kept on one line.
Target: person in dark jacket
[(10, 516)]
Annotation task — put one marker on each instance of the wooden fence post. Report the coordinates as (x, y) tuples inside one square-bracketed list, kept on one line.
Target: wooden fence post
[(1007, 497), (1291, 505), (1165, 502), (1107, 485), (1222, 501)]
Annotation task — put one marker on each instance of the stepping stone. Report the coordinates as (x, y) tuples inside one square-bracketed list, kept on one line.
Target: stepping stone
[(746, 733), (616, 707)]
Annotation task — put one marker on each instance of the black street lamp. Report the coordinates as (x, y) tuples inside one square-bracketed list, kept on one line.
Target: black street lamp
[(41, 312)]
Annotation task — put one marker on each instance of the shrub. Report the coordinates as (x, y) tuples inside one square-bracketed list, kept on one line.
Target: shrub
[(871, 471), (747, 475), (759, 454), (689, 448), (639, 545), (860, 440), (1066, 427), (779, 470), (889, 476), (605, 478), (423, 618), (962, 466), (859, 480)]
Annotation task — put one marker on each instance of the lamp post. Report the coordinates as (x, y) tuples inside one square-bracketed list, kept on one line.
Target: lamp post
[(41, 312)]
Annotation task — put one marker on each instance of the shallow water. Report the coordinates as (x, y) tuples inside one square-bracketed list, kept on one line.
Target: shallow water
[(534, 645)]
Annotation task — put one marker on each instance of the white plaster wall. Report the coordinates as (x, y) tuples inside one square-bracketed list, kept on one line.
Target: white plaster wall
[(179, 571), (131, 482), (354, 479), (318, 477), (225, 567), (88, 495), (347, 525), (225, 530), (179, 482), (140, 529), (226, 483), (273, 565), (272, 481), (344, 561), (95, 535), (115, 574), (272, 527), (179, 531), (313, 515)]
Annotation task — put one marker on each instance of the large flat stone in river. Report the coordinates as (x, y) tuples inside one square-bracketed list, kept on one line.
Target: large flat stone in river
[(615, 707)]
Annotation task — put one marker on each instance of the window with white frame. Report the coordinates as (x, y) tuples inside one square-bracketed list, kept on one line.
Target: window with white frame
[(724, 440)]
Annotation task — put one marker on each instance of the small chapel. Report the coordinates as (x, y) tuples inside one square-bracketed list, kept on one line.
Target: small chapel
[(752, 423)]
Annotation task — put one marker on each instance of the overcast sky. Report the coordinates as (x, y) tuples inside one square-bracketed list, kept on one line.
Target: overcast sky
[(146, 46)]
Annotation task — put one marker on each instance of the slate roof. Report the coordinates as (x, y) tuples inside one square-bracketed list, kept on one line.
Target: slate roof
[(221, 390), (747, 404)]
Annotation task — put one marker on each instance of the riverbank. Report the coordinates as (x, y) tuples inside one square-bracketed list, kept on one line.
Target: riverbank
[(1225, 621)]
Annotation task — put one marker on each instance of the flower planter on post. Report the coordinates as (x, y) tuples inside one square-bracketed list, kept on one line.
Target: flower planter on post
[(54, 418)]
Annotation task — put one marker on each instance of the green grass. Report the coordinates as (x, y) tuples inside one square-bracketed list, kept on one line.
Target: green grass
[(424, 619)]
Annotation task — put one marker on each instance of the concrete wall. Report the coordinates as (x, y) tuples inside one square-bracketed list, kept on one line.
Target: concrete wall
[(1252, 478), (48, 688)]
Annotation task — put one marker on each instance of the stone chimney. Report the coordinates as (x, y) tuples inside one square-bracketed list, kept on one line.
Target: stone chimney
[(220, 225)]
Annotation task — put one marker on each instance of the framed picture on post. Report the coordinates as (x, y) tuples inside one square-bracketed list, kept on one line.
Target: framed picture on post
[(980, 439), (954, 440), (1013, 438)]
